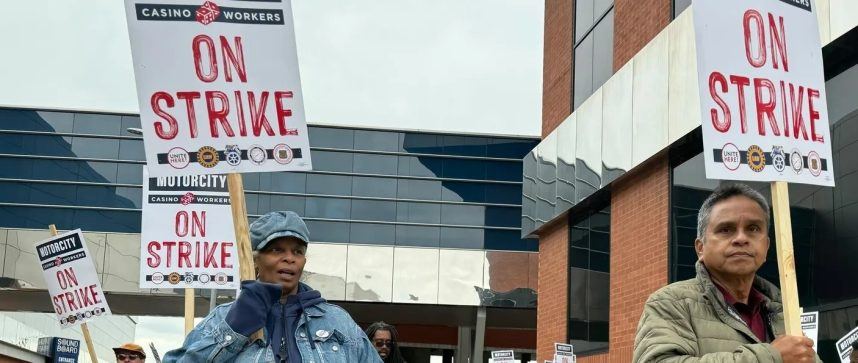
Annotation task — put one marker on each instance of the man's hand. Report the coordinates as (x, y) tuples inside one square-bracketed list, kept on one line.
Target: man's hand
[(795, 349)]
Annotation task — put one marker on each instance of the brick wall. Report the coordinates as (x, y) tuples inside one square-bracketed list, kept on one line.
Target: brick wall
[(553, 288), (639, 247), (557, 64), (636, 22)]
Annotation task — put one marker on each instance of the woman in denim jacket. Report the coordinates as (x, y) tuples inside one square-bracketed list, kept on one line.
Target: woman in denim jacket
[(299, 325)]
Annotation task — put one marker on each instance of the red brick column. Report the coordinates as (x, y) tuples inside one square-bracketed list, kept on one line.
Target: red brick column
[(636, 22), (557, 63), (553, 289)]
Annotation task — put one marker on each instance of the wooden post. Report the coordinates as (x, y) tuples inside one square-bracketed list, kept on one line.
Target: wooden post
[(786, 258), (85, 329), (189, 310), (242, 233)]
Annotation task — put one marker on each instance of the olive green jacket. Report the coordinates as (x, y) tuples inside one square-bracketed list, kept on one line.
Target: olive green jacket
[(689, 321)]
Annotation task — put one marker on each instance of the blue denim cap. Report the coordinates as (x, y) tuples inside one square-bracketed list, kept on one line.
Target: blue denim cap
[(275, 225)]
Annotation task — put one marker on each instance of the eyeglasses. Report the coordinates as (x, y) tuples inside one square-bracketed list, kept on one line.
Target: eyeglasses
[(381, 343), (127, 356)]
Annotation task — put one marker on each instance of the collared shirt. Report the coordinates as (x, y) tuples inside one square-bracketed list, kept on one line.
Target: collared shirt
[(751, 313)]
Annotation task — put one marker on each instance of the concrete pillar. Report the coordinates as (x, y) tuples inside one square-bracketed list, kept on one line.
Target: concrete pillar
[(463, 350), (479, 336)]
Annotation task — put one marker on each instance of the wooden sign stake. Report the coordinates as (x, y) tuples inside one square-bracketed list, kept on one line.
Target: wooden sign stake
[(242, 233), (786, 258), (83, 327), (189, 310)]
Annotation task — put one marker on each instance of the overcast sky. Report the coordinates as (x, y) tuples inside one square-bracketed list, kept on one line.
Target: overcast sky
[(439, 65), (444, 65)]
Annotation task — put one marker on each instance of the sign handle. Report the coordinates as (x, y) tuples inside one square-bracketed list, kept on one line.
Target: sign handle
[(83, 327), (786, 258), (242, 233), (189, 310)]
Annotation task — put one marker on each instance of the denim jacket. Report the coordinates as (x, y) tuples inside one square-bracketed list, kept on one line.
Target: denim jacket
[(335, 339)]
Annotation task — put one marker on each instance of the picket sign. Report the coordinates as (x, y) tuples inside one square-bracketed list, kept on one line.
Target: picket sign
[(83, 327), (786, 258)]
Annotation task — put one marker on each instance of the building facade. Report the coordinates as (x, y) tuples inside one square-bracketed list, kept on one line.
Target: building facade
[(613, 189), (419, 229)]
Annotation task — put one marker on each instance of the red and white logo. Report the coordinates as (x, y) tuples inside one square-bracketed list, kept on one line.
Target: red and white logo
[(207, 13), (283, 154), (730, 156), (178, 158), (188, 198), (814, 163)]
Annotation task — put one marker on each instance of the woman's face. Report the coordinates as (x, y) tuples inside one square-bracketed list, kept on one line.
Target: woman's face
[(282, 262), (382, 342)]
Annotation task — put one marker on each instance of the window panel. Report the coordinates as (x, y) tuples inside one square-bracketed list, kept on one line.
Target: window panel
[(375, 164), (503, 193), (131, 150), (504, 240), (469, 238), (578, 279), (20, 168), (419, 236), (285, 182), (97, 124), (376, 140), (464, 145), (332, 161), (324, 231), (331, 137), (464, 169), (373, 210), (35, 145), (579, 257), (106, 221), (334, 208), (88, 147), (503, 170), (329, 184), (369, 233), (470, 215), (419, 189), (603, 51), (583, 71), (364, 186), (503, 216), (418, 212), (509, 148), (286, 202), (420, 166), (583, 18), (679, 6), (464, 192), (129, 122), (97, 172), (421, 143)]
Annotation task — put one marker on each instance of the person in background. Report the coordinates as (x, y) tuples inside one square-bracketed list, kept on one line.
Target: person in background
[(129, 352), (386, 341), (299, 325)]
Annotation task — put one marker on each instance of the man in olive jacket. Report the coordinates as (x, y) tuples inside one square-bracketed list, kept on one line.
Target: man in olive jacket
[(727, 313)]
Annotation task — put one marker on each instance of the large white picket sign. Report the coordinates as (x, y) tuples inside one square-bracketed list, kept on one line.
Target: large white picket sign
[(72, 281), (218, 86), (762, 91), (187, 236)]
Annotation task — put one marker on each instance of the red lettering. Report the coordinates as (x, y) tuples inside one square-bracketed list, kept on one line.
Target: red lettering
[(58, 306), (208, 260), (282, 111), (168, 245), (230, 58), (198, 226), (814, 114), (184, 254), (797, 116), (778, 42), (242, 123), (70, 301), (154, 259), (173, 126), (765, 106), (218, 114), (204, 40), (784, 110), (257, 114), (224, 254), (741, 83), (189, 98), (720, 125), (181, 223), (759, 59)]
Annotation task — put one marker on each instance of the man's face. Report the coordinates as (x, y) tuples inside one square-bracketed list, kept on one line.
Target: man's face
[(853, 357), (382, 342), (282, 262), (736, 240), (129, 357)]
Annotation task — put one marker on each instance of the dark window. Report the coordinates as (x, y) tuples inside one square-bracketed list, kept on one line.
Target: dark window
[(464, 169), (421, 166), (464, 192), (375, 164), (285, 202), (589, 282), (420, 236), (285, 182), (510, 148), (332, 161), (594, 47), (468, 215), (88, 147), (503, 193), (464, 145), (373, 210), (325, 231), (372, 233), (331, 137), (470, 238), (96, 124), (421, 143), (419, 189), (418, 212)]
